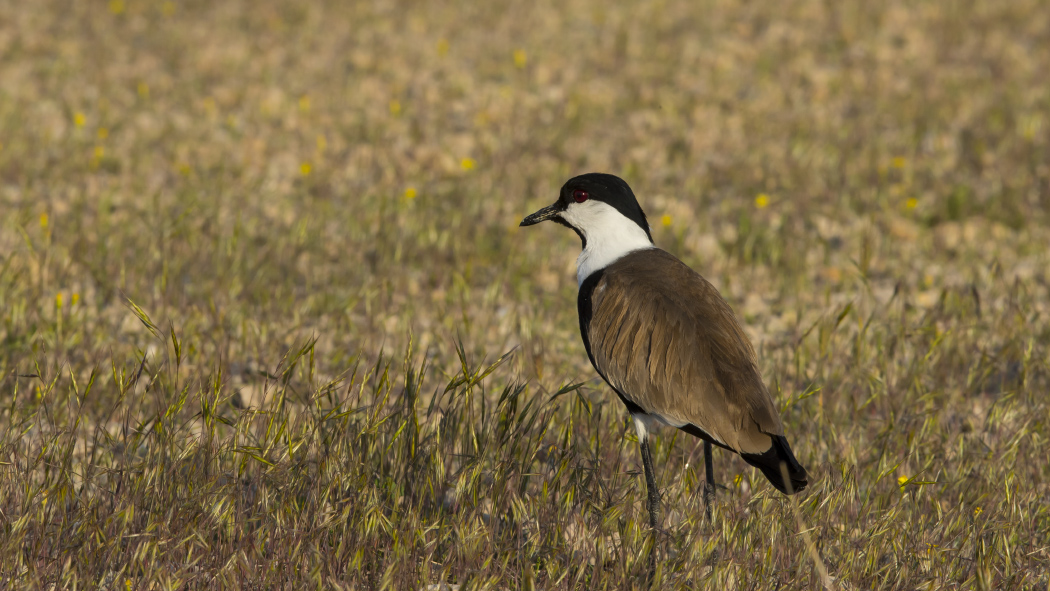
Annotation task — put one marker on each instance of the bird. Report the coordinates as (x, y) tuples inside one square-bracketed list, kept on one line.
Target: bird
[(665, 340)]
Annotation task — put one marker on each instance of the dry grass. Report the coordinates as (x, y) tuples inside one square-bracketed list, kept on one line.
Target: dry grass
[(289, 190)]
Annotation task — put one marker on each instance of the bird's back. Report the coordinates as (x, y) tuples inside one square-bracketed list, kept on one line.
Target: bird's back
[(662, 336)]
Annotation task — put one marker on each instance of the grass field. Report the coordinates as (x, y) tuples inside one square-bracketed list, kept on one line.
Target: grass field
[(267, 320)]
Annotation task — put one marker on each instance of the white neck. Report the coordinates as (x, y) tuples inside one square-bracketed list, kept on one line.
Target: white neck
[(608, 234)]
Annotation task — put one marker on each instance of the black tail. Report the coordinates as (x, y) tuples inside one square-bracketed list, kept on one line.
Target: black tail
[(769, 463)]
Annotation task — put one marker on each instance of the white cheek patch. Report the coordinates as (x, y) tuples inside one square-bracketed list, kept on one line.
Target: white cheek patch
[(609, 235)]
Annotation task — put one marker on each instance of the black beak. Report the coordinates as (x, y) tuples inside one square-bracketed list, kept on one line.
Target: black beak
[(542, 215)]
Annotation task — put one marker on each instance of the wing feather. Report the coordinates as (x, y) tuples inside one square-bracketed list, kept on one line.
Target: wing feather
[(665, 340)]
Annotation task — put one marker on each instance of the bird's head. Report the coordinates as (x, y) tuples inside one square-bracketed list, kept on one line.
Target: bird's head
[(598, 207)]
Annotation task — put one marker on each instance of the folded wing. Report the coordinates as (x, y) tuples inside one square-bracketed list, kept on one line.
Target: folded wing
[(666, 341)]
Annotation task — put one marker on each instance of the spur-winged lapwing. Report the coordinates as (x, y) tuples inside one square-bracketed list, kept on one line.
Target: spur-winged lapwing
[(664, 338)]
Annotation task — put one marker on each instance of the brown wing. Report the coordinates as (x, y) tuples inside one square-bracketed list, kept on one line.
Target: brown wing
[(664, 338)]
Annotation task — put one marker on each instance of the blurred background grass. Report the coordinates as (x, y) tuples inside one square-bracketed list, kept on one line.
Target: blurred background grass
[(294, 188)]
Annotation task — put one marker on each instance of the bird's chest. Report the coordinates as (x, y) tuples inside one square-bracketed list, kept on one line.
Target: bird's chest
[(585, 265), (600, 253)]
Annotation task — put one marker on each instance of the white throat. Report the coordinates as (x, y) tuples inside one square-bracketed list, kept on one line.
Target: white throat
[(608, 233)]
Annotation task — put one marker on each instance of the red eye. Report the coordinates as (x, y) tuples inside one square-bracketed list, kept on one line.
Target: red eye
[(580, 195)]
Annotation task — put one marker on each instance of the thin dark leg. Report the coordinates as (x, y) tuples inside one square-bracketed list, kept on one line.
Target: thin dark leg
[(654, 501), (709, 477)]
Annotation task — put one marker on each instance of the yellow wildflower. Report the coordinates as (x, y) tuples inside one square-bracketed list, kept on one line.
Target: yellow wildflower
[(304, 103), (116, 6), (79, 119), (665, 220), (977, 511), (901, 481), (75, 299), (911, 203), (43, 220), (899, 162), (143, 90), (467, 163), (520, 59), (442, 47), (103, 133), (410, 193), (395, 107), (58, 300), (762, 201), (305, 168)]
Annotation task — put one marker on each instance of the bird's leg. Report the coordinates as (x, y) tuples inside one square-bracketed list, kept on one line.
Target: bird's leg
[(650, 484), (709, 479), (654, 500)]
